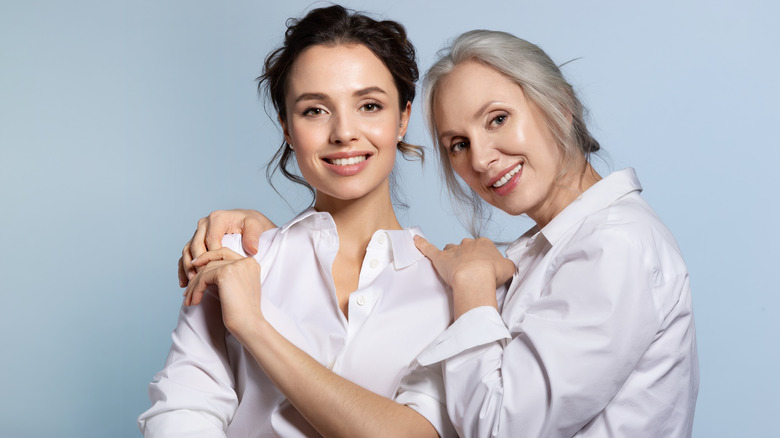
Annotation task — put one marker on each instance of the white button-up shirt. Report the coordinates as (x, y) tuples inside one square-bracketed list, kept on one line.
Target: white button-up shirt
[(595, 335), (211, 386)]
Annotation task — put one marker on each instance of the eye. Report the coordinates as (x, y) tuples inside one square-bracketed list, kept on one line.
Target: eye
[(498, 120), (313, 111), (371, 107), (458, 146)]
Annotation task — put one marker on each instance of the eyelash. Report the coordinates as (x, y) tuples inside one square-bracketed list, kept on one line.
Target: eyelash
[(312, 111), (453, 146), (459, 146), (368, 107), (377, 106), (501, 116)]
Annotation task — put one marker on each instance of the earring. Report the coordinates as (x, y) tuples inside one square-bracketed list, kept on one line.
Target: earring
[(400, 138), (290, 146)]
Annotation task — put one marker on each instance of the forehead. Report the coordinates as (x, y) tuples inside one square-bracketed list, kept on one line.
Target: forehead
[(469, 87), (341, 67)]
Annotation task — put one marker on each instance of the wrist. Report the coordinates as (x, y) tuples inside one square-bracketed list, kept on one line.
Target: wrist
[(252, 330), (471, 292)]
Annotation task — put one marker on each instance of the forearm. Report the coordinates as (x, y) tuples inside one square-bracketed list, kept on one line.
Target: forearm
[(335, 406)]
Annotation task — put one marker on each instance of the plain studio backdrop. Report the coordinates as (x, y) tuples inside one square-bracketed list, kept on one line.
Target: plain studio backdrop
[(122, 123)]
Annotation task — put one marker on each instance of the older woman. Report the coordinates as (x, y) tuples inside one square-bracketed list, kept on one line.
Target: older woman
[(594, 334)]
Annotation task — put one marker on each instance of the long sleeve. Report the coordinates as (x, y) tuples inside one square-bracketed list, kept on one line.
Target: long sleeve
[(193, 395), (422, 389), (566, 353)]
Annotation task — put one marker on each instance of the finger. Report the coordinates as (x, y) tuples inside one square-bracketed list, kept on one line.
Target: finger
[(186, 262), (425, 247), (507, 270), (197, 287), (218, 224), (250, 235), (183, 280), (219, 254), (197, 243)]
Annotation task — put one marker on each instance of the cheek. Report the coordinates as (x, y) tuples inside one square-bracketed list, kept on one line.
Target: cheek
[(306, 138), (384, 134), (462, 168)]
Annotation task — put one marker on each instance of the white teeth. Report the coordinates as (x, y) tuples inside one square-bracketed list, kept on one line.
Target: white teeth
[(347, 161), (508, 176)]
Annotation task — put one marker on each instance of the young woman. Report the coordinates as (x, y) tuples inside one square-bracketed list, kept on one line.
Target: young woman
[(594, 336), (316, 334)]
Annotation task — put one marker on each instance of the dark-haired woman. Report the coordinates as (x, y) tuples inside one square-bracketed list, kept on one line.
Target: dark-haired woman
[(323, 336)]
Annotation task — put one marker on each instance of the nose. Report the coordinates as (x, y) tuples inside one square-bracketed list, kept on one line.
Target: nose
[(483, 154), (343, 129)]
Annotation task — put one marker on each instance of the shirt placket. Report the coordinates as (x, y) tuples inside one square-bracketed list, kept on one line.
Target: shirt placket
[(365, 298)]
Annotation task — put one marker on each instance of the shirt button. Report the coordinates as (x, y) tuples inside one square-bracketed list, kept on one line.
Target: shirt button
[(381, 238), (361, 300), (373, 263)]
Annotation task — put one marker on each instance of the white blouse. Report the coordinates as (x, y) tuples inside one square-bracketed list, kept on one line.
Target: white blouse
[(212, 386), (595, 335)]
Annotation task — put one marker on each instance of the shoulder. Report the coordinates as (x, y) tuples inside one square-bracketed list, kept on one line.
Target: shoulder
[(268, 241), (630, 228)]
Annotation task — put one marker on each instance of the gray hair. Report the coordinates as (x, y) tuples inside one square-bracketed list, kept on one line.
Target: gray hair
[(543, 84)]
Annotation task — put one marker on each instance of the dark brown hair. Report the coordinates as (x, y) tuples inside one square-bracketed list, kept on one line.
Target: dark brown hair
[(332, 26)]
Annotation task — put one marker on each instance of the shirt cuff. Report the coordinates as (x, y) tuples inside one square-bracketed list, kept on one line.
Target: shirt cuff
[(478, 326), (423, 390)]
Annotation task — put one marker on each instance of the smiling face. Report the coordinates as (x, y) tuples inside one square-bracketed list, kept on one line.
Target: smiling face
[(498, 143), (343, 121)]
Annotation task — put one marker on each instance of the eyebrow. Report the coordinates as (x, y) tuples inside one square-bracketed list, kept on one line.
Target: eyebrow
[(369, 90), (319, 96), (309, 96)]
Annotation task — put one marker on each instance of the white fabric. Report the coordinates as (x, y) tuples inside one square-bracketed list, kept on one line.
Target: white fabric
[(211, 386), (595, 337)]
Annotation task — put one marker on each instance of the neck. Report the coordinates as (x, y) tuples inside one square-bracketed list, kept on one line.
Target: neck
[(571, 185), (357, 219)]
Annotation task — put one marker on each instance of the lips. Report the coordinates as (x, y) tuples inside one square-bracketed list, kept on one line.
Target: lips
[(507, 176), (347, 163)]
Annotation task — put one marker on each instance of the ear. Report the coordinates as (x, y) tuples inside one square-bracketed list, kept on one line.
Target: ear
[(285, 130), (405, 114)]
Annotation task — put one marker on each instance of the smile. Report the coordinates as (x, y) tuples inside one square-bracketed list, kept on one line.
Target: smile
[(504, 179), (347, 161)]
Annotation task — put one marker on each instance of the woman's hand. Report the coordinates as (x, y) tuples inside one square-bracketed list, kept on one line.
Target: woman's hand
[(208, 237), (474, 269), (237, 280)]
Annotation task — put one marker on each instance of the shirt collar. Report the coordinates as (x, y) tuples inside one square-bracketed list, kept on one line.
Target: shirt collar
[(402, 248), (405, 253), (318, 220), (601, 195)]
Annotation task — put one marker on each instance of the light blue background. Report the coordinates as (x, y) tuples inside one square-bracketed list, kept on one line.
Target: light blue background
[(121, 123)]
